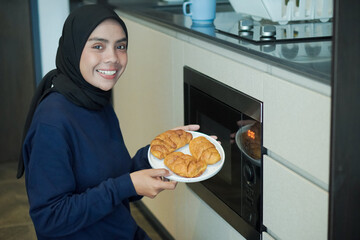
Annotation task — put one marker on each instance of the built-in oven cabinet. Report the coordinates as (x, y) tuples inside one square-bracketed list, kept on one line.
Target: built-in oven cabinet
[(297, 128), (294, 208)]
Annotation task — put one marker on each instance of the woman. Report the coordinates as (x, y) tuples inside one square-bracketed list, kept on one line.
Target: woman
[(79, 175)]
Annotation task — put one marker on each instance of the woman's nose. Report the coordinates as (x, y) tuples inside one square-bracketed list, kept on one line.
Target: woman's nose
[(111, 56)]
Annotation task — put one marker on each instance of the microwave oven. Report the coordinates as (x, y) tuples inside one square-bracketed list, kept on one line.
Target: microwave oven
[(235, 193)]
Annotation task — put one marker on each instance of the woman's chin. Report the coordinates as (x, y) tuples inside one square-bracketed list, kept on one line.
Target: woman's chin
[(107, 86)]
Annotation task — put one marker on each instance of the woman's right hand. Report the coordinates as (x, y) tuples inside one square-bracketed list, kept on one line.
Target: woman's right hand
[(150, 182)]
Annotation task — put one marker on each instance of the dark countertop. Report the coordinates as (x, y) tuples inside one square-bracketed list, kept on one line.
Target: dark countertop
[(311, 59)]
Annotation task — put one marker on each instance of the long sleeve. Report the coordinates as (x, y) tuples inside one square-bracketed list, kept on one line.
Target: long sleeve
[(56, 208), (77, 172), (140, 160)]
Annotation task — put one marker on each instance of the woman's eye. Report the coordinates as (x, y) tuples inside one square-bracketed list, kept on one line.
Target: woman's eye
[(121, 47), (97, 47)]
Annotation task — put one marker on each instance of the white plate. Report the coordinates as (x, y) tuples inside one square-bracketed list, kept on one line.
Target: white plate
[(210, 171)]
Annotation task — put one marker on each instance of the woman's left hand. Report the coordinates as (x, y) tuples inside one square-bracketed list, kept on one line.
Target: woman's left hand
[(190, 127), (193, 127)]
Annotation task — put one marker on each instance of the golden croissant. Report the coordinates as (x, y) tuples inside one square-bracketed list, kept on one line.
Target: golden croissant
[(169, 141), (203, 149), (185, 165)]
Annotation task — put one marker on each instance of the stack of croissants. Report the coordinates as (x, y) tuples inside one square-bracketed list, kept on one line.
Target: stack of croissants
[(203, 152)]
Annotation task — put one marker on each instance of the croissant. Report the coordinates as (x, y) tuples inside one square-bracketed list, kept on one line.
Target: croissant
[(203, 149), (169, 141), (185, 165)]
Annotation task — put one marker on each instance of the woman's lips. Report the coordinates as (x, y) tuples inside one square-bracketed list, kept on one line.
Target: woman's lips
[(108, 74)]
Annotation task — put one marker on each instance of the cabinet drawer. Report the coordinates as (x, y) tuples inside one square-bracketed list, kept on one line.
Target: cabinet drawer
[(297, 126), (294, 208)]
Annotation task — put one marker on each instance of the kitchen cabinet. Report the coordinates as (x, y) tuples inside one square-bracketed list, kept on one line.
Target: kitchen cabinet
[(294, 208), (297, 127), (296, 174), (149, 99)]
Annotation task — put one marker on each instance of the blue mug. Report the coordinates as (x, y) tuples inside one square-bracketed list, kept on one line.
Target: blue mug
[(208, 29), (200, 11)]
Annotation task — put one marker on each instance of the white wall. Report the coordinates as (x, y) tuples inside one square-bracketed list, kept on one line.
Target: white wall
[(52, 14)]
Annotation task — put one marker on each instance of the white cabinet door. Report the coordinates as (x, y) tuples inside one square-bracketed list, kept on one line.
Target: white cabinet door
[(297, 126), (294, 208)]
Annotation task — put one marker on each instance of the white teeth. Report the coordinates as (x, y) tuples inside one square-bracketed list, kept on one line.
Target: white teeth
[(106, 72)]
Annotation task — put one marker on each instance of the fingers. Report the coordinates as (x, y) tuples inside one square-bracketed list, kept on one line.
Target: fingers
[(163, 182), (167, 185), (152, 193), (149, 182), (241, 123), (190, 127), (193, 127), (160, 172), (214, 137), (159, 182)]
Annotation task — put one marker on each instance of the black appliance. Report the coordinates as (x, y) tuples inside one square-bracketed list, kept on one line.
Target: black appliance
[(235, 193)]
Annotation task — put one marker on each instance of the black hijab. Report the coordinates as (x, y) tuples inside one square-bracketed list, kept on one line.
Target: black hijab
[(66, 78)]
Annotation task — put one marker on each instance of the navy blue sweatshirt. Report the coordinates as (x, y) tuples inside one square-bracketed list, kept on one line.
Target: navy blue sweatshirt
[(77, 172)]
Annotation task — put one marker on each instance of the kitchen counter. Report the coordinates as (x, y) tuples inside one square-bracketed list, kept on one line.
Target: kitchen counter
[(310, 59)]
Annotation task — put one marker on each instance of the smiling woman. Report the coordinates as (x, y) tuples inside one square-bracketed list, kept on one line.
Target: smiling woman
[(79, 175), (104, 58)]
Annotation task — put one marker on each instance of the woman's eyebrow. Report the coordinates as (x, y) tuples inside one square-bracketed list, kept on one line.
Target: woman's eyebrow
[(122, 40), (97, 39)]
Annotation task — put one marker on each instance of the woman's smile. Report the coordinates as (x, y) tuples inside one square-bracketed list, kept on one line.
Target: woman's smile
[(107, 74)]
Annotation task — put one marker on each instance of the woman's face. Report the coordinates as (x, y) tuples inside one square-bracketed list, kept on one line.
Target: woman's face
[(104, 56)]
